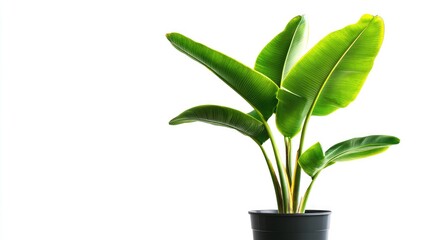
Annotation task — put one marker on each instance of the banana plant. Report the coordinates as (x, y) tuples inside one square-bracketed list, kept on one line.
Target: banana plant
[(294, 84)]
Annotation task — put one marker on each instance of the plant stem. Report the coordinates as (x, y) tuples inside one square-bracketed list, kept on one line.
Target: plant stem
[(286, 192), (296, 184), (276, 184), (297, 174), (288, 149), (307, 193)]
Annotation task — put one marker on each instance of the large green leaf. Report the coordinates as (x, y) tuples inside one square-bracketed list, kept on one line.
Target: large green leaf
[(257, 89), (313, 160), (356, 148), (330, 75), (282, 52), (226, 117)]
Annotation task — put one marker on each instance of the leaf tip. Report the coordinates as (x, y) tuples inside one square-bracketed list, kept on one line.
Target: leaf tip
[(173, 121), (171, 36), (369, 18)]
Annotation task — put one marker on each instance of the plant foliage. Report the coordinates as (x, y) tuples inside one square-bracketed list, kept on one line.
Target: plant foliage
[(294, 84)]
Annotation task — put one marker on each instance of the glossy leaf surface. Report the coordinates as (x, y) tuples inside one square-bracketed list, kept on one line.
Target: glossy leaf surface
[(285, 100), (313, 160), (257, 89), (226, 117), (330, 75), (284, 50), (360, 147)]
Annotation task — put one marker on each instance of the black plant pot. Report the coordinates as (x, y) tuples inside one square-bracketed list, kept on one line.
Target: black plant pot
[(270, 225)]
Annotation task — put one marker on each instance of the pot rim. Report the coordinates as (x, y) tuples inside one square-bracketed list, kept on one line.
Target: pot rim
[(273, 212)]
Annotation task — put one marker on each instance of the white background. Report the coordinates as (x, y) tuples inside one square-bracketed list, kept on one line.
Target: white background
[(88, 88)]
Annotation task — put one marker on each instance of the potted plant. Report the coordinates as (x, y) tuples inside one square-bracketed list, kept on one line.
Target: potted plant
[(293, 86)]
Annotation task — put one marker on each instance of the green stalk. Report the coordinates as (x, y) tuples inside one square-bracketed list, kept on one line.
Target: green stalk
[(286, 192), (297, 177), (288, 149), (276, 184), (296, 184), (297, 174), (307, 193)]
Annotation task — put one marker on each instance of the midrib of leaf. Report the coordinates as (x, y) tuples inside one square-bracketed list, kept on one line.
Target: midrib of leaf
[(355, 150), (289, 50), (313, 104), (227, 124), (226, 82)]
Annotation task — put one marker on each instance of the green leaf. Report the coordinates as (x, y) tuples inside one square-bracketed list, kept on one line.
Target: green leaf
[(362, 147), (284, 50), (313, 160), (257, 89), (288, 104), (226, 117), (330, 75)]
